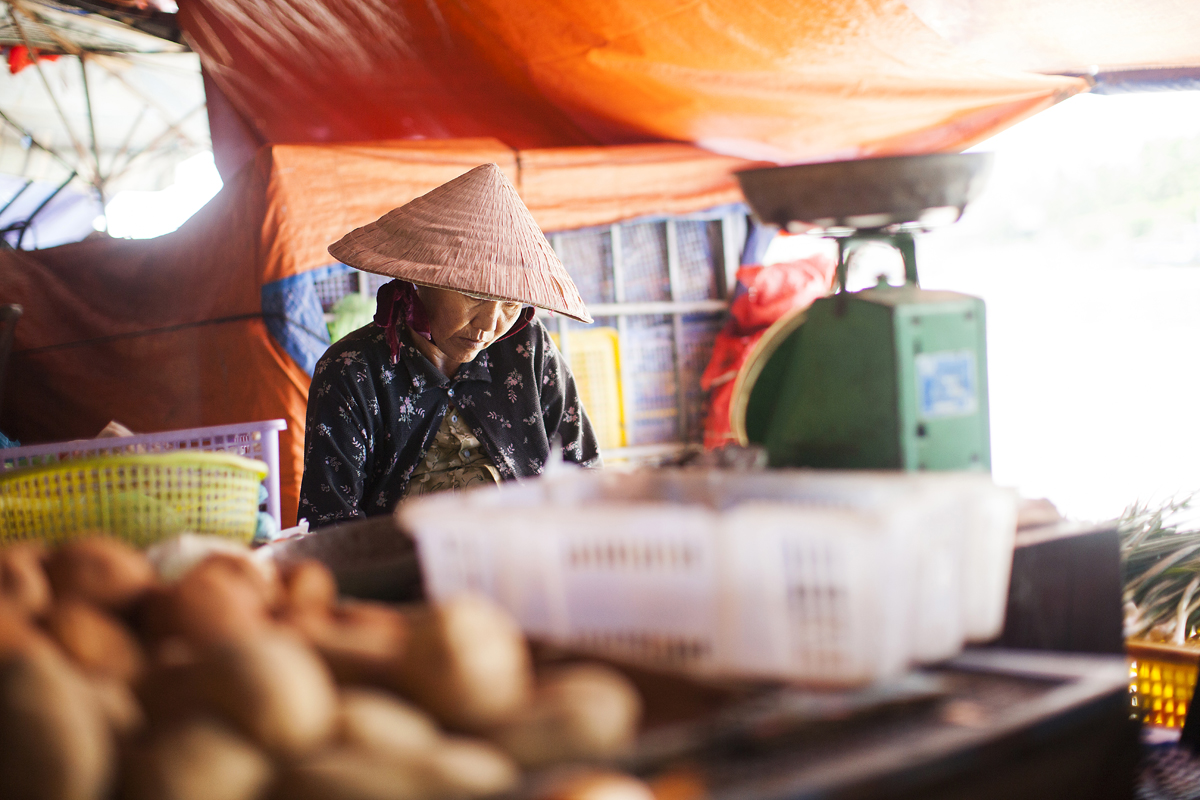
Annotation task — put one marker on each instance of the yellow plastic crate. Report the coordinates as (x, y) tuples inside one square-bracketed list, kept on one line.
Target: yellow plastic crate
[(594, 356), (1162, 680), (139, 498)]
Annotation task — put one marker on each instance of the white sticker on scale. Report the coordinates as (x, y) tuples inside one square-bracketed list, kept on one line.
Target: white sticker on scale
[(946, 384)]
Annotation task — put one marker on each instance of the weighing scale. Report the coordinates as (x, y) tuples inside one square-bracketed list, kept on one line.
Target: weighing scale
[(891, 377)]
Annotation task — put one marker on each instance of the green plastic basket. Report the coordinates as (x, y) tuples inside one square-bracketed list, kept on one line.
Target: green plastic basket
[(141, 499)]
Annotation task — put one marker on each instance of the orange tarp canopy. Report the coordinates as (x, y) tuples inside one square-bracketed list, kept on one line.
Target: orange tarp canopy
[(169, 333), (318, 192), (786, 80)]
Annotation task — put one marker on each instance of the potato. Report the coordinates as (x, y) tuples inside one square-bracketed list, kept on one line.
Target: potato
[(582, 711), (17, 634), (212, 603), (346, 774), (23, 581), (170, 692), (361, 642), (95, 641), (201, 759), (375, 720), (260, 575), (274, 689), (118, 706), (54, 742), (462, 767), (105, 572), (308, 585), (466, 662), (597, 785), (396, 734), (154, 615)]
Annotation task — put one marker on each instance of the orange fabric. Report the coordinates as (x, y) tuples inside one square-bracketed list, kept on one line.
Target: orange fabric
[(573, 187), (318, 193), (366, 70), (785, 80)]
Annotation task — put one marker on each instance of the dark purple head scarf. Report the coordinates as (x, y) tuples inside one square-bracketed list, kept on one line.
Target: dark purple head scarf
[(398, 302)]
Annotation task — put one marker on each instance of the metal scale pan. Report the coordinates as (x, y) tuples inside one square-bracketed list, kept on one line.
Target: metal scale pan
[(868, 194)]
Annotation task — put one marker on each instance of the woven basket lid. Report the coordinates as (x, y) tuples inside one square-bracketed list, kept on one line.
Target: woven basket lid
[(473, 235)]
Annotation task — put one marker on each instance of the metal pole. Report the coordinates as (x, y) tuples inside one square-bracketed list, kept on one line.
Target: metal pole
[(38, 210), (174, 129), (673, 279), (128, 140), (618, 271), (98, 180), (731, 251), (564, 335), (147, 101), (34, 142), (13, 199), (658, 308)]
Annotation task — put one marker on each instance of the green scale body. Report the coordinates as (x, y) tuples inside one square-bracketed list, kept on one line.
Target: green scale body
[(892, 377)]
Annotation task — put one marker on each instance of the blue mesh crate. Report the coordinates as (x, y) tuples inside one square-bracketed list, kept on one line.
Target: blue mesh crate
[(644, 262), (374, 281), (587, 255), (700, 250), (334, 287), (699, 332), (650, 370)]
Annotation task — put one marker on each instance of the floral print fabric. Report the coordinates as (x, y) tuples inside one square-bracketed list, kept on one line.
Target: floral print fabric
[(371, 422)]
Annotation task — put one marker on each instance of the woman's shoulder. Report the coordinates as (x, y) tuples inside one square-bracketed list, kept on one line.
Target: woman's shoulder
[(359, 349)]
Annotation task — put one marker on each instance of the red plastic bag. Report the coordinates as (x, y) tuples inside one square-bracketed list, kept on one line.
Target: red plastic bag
[(763, 295)]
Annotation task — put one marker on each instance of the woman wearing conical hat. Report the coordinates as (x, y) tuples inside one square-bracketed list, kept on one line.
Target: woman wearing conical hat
[(454, 384)]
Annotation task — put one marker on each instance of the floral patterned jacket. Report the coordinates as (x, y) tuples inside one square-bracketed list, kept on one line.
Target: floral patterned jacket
[(370, 421)]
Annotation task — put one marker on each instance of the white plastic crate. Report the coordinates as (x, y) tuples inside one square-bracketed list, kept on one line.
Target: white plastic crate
[(839, 578), (257, 440), (928, 514), (980, 517)]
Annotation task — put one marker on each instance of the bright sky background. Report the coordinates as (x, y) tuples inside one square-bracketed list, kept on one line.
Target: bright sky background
[(144, 215), (1093, 368)]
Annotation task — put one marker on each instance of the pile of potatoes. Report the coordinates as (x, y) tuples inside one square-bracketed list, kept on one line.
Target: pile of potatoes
[(220, 677)]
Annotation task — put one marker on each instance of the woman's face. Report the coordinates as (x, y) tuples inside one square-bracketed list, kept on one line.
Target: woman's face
[(463, 327)]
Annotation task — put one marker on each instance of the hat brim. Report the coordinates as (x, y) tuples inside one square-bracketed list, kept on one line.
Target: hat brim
[(472, 235)]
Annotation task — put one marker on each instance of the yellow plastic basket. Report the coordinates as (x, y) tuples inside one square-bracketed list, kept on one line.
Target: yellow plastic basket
[(594, 356), (139, 498), (1162, 678)]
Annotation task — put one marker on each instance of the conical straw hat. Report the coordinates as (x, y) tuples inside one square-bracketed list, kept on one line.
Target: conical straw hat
[(473, 235)]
